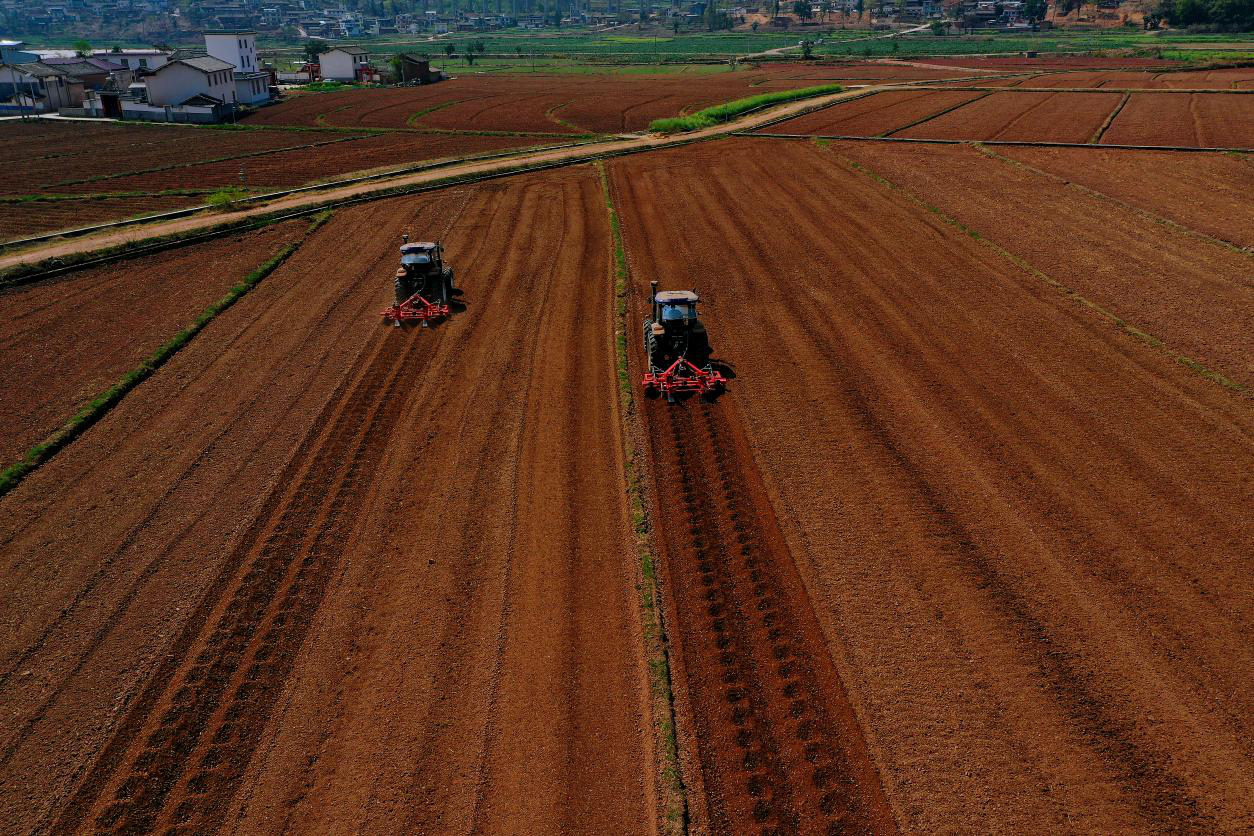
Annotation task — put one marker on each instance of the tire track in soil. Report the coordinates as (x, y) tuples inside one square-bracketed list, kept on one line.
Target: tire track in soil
[(779, 747), (188, 739)]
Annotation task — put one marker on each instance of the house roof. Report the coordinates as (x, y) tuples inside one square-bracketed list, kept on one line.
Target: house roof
[(351, 50), (40, 70), (204, 63), (231, 32), (78, 68), (201, 100)]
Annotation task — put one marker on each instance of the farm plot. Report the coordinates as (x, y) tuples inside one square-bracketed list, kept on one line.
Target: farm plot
[(1194, 295), (1189, 120), (295, 168), (560, 104), (18, 220), (1027, 116), (321, 571), (36, 158), (1209, 193), (875, 115), (66, 340), (1021, 532)]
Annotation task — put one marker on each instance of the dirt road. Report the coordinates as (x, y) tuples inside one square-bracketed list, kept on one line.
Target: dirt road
[(320, 571), (1022, 532)]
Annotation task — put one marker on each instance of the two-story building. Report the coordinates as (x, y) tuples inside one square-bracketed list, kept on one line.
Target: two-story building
[(183, 79), (239, 49), (344, 63)]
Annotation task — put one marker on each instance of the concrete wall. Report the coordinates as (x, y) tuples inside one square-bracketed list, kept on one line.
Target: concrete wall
[(176, 83), (252, 90), (338, 66)]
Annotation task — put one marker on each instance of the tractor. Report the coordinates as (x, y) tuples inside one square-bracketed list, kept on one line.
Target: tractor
[(677, 346), (424, 286)]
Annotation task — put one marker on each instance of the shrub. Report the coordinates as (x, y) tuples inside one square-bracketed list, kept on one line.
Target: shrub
[(226, 196)]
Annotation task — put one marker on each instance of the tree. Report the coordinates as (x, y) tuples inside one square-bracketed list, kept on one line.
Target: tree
[(754, 26), (449, 49), (315, 48), (807, 49), (801, 8), (81, 48), (1034, 10)]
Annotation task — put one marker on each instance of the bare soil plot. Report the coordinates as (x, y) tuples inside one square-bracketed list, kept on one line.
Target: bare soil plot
[(558, 104), (18, 220), (34, 158), (295, 168), (66, 340), (1195, 296), (1206, 192), (874, 115), (1056, 117), (321, 571), (1054, 62), (1196, 120), (1021, 531), (1234, 78)]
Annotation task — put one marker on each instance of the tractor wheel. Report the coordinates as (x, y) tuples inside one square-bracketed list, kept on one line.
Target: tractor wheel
[(402, 289), (698, 347), (651, 348)]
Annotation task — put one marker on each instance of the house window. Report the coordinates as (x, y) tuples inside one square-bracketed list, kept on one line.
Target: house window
[(143, 62)]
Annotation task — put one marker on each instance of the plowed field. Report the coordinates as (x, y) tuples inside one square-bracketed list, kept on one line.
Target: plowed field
[(1019, 532), (875, 115), (1197, 120), (561, 104), (1052, 117), (66, 340), (18, 220), (1209, 193), (321, 573), (1195, 295)]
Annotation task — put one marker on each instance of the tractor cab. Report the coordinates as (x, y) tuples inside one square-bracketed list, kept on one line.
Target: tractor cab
[(677, 309), (421, 258)]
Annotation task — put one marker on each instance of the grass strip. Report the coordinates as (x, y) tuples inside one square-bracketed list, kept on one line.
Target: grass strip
[(674, 799), (728, 111), (1127, 327), (936, 115), (412, 121), (1110, 118), (12, 476)]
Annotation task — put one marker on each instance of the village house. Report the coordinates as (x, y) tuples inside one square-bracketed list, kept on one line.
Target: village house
[(344, 63)]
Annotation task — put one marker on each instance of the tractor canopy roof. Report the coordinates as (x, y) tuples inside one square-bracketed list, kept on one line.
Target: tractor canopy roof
[(418, 247), (676, 297)]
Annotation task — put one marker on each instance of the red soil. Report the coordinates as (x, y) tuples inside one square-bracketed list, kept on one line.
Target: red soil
[(66, 340), (1194, 295), (1056, 117), (35, 158), (18, 220), (1199, 120), (1206, 192), (321, 573), (561, 104), (1023, 533), (295, 168), (874, 115), (1056, 62)]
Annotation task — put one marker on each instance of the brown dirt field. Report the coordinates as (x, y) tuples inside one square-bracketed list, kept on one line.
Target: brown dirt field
[(1195, 296), (18, 220), (1198, 120), (1022, 532), (297, 168), (561, 104), (1054, 117), (321, 573), (34, 158), (65, 340), (874, 115), (1206, 192), (1057, 62), (1235, 78)]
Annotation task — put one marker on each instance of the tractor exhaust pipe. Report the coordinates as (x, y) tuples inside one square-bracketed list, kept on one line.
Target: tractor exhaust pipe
[(653, 298)]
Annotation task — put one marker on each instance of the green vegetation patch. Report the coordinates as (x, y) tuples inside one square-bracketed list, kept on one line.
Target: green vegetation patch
[(728, 111)]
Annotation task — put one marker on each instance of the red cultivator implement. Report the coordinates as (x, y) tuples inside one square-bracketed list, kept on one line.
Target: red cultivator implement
[(683, 376), (415, 309)]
